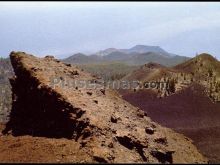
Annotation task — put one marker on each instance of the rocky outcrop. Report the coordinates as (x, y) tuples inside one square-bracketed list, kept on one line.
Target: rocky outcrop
[(107, 128)]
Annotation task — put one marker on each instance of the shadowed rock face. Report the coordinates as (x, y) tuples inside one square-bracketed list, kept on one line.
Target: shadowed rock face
[(107, 128)]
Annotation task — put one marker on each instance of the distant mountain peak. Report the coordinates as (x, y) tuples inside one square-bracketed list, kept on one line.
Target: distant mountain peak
[(111, 49), (137, 55), (135, 49), (79, 54), (144, 46), (147, 48), (106, 51)]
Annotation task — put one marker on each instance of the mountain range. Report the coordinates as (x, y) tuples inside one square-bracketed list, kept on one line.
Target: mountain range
[(137, 55), (139, 49)]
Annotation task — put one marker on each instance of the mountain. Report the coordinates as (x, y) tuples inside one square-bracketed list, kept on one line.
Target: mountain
[(185, 97), (131, 58), (202, 65), (138, 49), (106, 51), (141, 59), (117, 56), (148, 72), (80, 58), (203, 69), (74, 123)]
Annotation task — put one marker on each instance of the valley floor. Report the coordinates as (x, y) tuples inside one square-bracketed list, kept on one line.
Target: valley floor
[(188, 112), (206, 140)]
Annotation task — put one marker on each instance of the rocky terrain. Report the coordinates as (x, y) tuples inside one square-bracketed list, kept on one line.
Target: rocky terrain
[(53, 121), (188, 102)]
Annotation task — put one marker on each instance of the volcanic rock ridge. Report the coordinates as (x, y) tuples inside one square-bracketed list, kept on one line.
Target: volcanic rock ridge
[(107, 128)]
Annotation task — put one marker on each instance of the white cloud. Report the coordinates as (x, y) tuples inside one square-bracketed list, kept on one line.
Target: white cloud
[(164, 30)]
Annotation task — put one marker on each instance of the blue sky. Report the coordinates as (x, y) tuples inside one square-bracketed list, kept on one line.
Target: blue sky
[(65, 28)]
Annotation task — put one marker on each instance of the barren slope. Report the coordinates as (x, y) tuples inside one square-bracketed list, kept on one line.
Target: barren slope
[(192, 106), (189, 112), (203, 70), (102, 126)]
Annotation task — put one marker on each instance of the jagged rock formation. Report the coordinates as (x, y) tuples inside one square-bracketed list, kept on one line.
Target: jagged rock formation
[(107, 128)]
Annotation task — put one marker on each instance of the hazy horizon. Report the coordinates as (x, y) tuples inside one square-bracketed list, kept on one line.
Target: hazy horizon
[(65, 28)]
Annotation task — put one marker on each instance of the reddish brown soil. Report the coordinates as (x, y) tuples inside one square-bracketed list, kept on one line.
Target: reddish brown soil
[(28, 149), (189, 112), (50, 124)]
